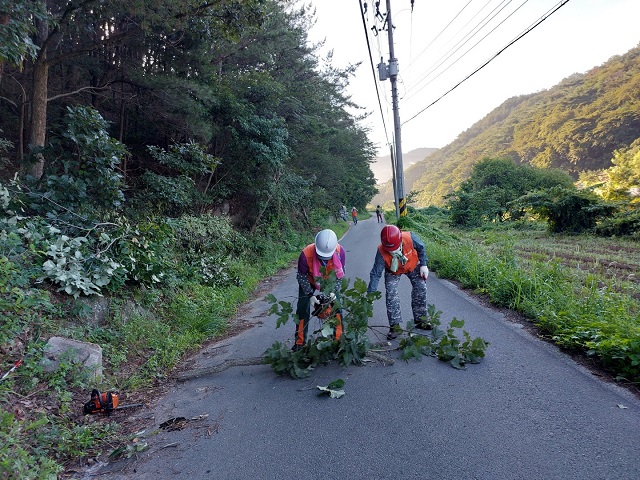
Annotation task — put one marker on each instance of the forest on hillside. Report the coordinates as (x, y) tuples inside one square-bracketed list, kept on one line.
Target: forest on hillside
[(219, 106), (576, 126)]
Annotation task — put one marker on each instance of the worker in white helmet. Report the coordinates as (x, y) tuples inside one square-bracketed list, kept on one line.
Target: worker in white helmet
[(325, 252)]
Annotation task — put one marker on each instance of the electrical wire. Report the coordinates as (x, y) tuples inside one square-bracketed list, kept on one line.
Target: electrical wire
[(477, 29), (438, 35), (460, 30), (529, 29), (373, 71), (469, 50)]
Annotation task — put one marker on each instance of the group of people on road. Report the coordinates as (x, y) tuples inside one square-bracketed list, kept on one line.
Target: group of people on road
[(354, 214), (399, 253)]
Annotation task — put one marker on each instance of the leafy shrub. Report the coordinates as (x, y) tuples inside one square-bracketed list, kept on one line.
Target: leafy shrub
[(73, 266), (208, 234), (16, 459), (145, 250), (174, 188), (492, 187), (566, 209), (82, 175), (621, 223)]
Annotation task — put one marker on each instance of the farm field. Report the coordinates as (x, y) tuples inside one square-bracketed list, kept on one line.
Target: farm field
[(614, 261), (580, 292)]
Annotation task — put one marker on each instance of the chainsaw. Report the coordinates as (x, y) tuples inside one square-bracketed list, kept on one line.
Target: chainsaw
[(324, 309), (105, 402)]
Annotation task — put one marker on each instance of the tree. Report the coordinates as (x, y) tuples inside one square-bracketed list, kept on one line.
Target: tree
[(487, 195), (624, 176), (96, 47), (567, 210)]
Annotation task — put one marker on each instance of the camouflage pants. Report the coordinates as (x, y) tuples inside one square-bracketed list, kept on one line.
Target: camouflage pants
[(418, 296)]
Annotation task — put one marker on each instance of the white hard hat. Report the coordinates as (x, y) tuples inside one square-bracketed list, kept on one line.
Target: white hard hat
[(326, 243)]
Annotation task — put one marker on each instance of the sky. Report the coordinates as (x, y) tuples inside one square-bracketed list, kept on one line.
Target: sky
[(441, 42)]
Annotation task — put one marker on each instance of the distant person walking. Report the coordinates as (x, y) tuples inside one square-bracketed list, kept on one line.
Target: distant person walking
[(354, 215), (379, 214), (343, 212)]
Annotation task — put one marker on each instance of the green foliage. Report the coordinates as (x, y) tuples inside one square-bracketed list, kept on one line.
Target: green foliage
[(69, 266), (82, 177), (566, 210), (578, 312), (443, 344), (179, 181), (494, 184), (626, 223), (334, 389), (211, 250), (16, 44), (145, 251), (354, 344), (355, 306), (16, 459), (23, 309)]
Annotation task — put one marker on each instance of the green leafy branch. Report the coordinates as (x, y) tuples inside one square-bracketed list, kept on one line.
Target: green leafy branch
[(356, 306), (443, 343)]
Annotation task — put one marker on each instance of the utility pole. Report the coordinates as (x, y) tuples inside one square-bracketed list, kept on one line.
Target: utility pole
[(391, 72), (393, 179)]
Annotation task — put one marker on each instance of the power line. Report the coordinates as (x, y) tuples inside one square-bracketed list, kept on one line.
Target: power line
[(462, 42), (538, 22), (469, 50), (441, 32), (373, 71)]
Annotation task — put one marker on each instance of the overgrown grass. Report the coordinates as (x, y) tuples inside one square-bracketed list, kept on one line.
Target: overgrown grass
[(556, 281)]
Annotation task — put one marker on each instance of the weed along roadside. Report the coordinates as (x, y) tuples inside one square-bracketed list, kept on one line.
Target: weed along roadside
[(142, 332), (577, 292), (138, 335)]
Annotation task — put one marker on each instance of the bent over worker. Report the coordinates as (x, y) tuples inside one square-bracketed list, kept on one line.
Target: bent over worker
[(324, 252), (401, 253)]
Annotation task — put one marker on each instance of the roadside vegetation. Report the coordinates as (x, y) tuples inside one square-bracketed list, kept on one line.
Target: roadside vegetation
[(579, 301), (146, 274), (191, 274), (567, 259)]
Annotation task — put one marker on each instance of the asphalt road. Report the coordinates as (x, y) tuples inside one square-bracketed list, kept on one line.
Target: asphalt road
[(526, 412)]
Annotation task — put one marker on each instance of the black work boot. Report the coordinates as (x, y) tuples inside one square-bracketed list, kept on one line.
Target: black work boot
[(393, 332), (424, 326)]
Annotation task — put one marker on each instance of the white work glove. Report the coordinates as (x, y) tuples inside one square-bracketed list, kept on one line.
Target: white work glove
[(332, 297), (424, 272), (314, 301)]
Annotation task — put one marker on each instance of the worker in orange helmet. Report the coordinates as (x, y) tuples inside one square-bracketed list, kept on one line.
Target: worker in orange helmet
[(325, 253), (401, 253)]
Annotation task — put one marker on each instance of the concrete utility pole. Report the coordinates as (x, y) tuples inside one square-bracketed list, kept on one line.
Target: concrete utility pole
[(393, 179), (401, 204)]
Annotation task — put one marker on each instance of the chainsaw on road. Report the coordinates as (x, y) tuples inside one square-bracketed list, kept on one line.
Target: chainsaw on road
[(106, 403)]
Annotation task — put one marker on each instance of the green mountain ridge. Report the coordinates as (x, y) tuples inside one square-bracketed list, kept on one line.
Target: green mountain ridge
[(575, 126)]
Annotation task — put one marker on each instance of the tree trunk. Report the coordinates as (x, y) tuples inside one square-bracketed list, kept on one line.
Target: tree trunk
[(38, 124), (3, 21)]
